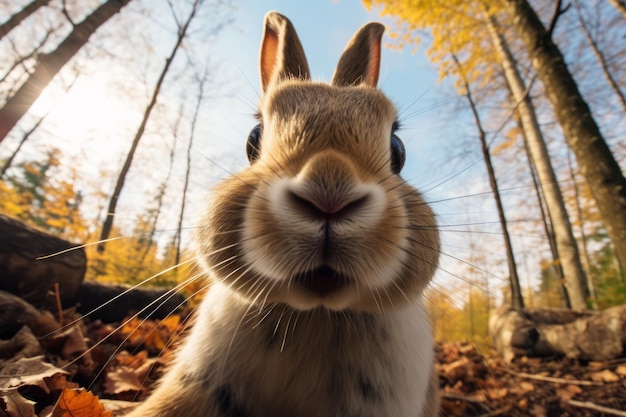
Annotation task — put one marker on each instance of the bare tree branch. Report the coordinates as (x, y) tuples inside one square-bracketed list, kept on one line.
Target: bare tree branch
[(555, 17)]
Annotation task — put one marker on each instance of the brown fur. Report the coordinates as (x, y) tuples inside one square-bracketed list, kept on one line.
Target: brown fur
[(320, 195)]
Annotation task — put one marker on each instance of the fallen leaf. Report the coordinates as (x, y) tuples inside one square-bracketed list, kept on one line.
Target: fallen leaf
[(75, 343), (453, 408), (539, 411), (16, 405), (23, 345), (497, 393), (568, 392), (30, 371), (123, 379), (57, 382), (605, 376), (523, 404), (79, 403)]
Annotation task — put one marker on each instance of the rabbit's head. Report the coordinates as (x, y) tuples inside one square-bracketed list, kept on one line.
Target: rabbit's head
[(321, 215)]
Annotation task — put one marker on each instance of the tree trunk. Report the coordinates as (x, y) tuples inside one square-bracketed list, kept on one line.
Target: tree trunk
[(110, 215), (583, 235), (179, 228), (20, 16), (601, 59), (9, 161), (516, 293), (50, 64), (620, 5), (567, 248), (547, 226), (596, 162)]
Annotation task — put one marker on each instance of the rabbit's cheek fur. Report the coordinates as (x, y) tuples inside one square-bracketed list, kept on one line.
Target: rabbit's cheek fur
[(318, 222), (323, 218)]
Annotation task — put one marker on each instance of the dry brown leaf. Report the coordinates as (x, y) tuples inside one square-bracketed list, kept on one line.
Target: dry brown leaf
[(453, 408), (605, 376), (76, 345), (79, 403), (621, 370), (568, 392), (23, 345), (497, 393), (134, 361), (30, 371), (522, 388), (16, 405), (172, 323), (456, 370), (118, 406), (522, 404), (58, 382), (596, 364), (527, 386), (153, 334), (123, 379), (44, 324), (539, 411)]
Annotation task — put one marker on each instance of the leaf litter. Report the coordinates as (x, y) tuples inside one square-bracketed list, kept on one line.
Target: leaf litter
[(96, 369)]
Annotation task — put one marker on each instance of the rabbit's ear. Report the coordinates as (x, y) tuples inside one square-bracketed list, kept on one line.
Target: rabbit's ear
[(282, 55), (360, 61)]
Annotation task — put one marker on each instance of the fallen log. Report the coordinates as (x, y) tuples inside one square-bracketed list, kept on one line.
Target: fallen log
[(546, 332), (25, 273), (112, 303)]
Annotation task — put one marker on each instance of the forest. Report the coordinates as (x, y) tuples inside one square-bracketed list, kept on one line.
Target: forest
[(118, 117)]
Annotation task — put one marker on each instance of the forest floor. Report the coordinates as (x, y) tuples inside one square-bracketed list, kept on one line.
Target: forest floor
[(49, 369)]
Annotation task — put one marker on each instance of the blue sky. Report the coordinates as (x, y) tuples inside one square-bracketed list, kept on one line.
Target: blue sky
[(95, 121), (324, 27), (433, 138)]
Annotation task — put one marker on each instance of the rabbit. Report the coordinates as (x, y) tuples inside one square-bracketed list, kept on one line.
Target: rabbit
[(318, 254)]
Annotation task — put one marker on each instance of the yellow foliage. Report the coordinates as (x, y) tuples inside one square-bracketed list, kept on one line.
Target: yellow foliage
[(511, 137), (452, 322), (456, 27), (44, 196)]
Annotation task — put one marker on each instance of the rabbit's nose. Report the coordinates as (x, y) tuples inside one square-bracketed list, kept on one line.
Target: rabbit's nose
[(327, 188), (317, 205)]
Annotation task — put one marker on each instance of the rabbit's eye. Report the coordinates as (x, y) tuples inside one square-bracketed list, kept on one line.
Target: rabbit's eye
[(398, 153), (254, 139)]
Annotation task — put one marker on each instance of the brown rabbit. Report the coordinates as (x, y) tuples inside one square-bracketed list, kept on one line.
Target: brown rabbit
[(318, 254)]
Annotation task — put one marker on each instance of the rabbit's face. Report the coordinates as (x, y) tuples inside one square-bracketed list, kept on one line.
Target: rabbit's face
[(321, 216)]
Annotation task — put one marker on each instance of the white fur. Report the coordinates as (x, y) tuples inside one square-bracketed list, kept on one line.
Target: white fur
[(296, 372)]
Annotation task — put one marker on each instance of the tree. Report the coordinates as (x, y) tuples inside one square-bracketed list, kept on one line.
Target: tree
[(7, 163), (600, 57), (567, 248), (20, 16), (49, 64), (466, 27), (620, 5), (110, 214), (596, 162), (200, 97), (516, 292)]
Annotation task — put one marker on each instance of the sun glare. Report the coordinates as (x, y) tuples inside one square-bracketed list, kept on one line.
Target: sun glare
[(90, 105)]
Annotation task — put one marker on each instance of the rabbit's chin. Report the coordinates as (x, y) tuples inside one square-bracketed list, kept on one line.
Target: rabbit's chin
[(320, 287)]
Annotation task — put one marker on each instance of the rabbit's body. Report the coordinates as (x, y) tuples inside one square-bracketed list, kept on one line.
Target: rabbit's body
[(316, 363), (319, 253)]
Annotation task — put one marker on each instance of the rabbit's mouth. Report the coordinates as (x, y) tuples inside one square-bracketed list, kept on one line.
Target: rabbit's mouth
[(321, 281)]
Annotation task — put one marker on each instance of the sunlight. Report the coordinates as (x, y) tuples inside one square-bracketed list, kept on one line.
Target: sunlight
[(89, 105)]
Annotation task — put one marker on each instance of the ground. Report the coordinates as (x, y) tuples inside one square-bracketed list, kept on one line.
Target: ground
[(46, 363)]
